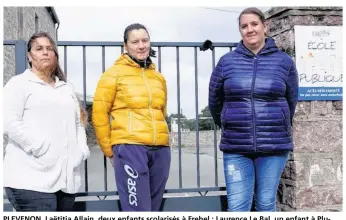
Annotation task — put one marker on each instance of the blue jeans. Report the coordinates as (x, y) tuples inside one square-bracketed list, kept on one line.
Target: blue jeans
[(32, 201), (253, 179)]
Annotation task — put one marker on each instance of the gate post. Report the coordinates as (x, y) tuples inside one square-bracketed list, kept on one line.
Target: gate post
[(20, 56), (312, 179)]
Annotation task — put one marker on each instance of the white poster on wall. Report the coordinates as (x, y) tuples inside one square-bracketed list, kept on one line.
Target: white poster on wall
[(319, 62)]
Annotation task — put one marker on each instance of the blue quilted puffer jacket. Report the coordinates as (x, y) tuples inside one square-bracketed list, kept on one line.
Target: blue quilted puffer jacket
[(253, 99)]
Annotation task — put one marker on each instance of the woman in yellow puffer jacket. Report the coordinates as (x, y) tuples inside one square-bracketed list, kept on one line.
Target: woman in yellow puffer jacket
[(134, 94)]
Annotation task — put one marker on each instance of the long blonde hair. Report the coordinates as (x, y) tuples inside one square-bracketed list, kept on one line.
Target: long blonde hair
[(83, 115)]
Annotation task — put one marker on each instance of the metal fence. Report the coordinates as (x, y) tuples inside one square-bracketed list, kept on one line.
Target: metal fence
[(21, 65)]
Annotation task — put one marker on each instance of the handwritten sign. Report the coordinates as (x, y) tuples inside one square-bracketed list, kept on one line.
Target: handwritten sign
[(319, 62)]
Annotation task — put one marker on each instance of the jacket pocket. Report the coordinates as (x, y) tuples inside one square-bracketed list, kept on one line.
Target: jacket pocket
[(285, 122), (58, 144), (51, 157), (165, 122), (130, 121), (117, 150)]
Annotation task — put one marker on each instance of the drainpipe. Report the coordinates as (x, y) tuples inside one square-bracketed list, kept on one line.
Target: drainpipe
[(51, 10), (56, 32)]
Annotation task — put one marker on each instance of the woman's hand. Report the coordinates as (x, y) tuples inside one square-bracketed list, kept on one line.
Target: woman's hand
[(112, 162)]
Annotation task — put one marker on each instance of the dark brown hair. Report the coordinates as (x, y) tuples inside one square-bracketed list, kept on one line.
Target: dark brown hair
[(57, 70), (254, 11), (131, 27)]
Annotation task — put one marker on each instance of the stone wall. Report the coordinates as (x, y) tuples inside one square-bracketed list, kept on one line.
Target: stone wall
[(188, 139), (19, 24), (312, 179)]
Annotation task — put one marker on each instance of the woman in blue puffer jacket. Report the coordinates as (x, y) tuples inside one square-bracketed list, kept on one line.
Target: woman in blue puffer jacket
[(253, 94)]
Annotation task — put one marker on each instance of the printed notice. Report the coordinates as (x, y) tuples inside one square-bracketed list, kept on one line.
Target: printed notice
[(319, 62)]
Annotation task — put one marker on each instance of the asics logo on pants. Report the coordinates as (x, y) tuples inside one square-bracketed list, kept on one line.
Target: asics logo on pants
[(131, 184)]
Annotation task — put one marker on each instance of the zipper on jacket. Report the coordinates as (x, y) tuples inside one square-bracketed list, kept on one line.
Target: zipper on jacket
[(151, 111), (130, 121), (252, 103)]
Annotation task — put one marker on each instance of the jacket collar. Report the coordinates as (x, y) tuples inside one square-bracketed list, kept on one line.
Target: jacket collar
[(125, 59), (31, 76), (269, 47)]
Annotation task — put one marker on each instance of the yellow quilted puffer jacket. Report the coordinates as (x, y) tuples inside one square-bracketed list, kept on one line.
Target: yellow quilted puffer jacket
[(136, 99)]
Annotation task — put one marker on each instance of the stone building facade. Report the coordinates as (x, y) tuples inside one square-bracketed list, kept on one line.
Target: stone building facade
[(22, 22)]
